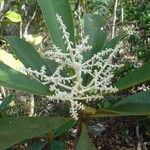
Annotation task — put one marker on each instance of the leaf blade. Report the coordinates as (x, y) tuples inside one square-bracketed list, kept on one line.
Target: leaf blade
[(49, 9), (14, 79), (84, 140), (134, 105), (14, 130), (137, 104), (136, 77), (27, 54), (64, 128), (92, 27), (13, 16)]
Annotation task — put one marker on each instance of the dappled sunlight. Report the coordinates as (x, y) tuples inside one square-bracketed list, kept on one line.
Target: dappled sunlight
[(9, 60)]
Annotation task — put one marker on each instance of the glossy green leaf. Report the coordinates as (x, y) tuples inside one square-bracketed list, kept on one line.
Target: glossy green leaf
[(84, 140), (136, 77), (13, 16), (93, 27), (14, 79), (6, 101), (137, 104), (27, 54), (61, 7), (14, 130), (64, 128)]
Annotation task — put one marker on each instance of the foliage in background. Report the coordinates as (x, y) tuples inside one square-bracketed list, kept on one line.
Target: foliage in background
[(137, 13)]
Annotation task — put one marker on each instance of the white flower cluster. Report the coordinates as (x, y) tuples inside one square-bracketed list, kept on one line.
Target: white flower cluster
[(69, 86)]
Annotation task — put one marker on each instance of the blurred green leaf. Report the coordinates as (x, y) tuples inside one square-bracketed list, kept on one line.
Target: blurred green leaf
[(84, 140), (136, 77), (113, 42), (13, 16), (137, 104), (27, 54), (64, 128), (14, 79), (14, 130), (61, 7), (93, 27)]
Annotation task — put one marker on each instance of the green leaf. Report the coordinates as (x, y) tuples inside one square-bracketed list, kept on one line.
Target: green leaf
[(137, 104), (13, 16), (92, 27), (57, 145), (14, 79), (14, 130), (27, 54), (64, 128), (136, 77), (84, 140), (6, 101), (61, 7), (113, 42)]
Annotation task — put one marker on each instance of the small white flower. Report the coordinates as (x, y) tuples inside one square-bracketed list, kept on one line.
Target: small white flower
[(71, 87)]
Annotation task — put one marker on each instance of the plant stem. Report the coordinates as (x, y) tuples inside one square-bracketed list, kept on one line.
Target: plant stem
[(114, 19)]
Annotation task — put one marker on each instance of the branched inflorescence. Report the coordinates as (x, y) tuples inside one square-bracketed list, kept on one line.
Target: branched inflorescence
[(70, 87)]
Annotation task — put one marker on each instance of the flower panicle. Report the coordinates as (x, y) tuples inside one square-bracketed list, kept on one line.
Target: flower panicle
[(70, 87)]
